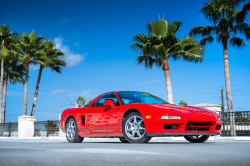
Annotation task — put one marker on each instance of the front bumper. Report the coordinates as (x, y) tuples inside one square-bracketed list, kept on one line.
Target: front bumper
[(187, 125)]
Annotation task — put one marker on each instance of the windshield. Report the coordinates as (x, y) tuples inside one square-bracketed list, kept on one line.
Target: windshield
[(86, 105), (139, 97)]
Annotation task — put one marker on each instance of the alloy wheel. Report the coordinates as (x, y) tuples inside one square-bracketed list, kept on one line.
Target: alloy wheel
[(134, 127), (71, 129)]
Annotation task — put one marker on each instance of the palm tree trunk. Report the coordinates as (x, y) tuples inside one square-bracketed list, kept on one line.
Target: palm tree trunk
[(4, 96), (1, 97), (36, 91), (26, 88), (165, 68), (228, 89), (1, 90)]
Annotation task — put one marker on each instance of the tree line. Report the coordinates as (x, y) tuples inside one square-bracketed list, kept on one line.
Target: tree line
[(155, 48), (17, 54)]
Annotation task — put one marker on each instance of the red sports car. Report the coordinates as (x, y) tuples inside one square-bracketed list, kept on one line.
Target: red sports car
[(136, 117)]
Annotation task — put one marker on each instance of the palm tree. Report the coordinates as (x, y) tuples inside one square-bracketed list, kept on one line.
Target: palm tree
[(28, 46), (14, 72), (161, 44), (47, 57), (80, 101), (182, 103), (227, 24), (7, 39)]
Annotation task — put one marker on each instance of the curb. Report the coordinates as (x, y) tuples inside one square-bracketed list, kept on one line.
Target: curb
[(242, 139)]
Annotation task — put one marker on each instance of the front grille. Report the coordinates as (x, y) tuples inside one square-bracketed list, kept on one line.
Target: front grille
[(197, 126), (197, 123)]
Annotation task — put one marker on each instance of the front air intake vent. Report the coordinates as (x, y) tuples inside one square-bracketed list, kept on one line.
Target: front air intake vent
[(218, 127), (170, 126)]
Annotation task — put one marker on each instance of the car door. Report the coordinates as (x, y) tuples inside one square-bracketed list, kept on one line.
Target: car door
[(102, 119)]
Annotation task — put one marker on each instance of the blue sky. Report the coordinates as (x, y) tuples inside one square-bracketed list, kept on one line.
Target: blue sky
[(95, 37)]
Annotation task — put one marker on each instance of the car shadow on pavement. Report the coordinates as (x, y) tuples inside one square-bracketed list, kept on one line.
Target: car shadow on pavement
[(153, 143)]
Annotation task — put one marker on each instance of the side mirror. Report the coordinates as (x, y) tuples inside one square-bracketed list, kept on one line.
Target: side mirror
[(109, 103)]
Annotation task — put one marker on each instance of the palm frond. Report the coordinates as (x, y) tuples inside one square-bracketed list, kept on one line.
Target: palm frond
[(240, 28), (211, 11), (203, 31), (140, 37), (207, 40), (231, 3), (4, 31), (247, 33), (188, 49), (237, 42), (148, 61), (174, 27), (158, 28), (242, 14)]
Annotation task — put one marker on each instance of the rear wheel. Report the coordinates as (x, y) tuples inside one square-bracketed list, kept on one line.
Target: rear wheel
[(133, 128), (197, 138), (123, 140), (72, 132)]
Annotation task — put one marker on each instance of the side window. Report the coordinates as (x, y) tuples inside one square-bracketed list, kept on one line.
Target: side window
[(110, 96)]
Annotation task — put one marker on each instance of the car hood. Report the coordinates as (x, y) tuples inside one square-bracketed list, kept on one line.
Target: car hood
[(185, 109)]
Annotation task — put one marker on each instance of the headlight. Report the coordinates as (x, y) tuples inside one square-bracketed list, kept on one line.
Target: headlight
[(170, 117), (218, 118)]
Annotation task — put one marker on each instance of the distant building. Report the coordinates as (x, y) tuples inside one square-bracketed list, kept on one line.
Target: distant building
[(213, 107)]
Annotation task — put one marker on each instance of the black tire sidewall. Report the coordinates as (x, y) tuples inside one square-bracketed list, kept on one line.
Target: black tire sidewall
[(145, 137), (77, 138), (123, 140), (200, 140)]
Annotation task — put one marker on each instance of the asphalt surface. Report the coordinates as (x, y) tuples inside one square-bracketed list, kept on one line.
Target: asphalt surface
[(113, 153)]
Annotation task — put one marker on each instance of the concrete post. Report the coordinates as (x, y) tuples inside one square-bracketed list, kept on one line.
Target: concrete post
[(26, 126), (61, 133)]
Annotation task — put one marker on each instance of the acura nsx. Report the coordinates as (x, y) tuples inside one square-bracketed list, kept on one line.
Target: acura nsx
[(136, 117)]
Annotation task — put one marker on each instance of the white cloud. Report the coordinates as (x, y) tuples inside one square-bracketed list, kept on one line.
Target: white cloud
[(72, 59), (59, 91), (53, 86), (150, 82), (34, 67), (72, 95), (14, 93), (88, 94)]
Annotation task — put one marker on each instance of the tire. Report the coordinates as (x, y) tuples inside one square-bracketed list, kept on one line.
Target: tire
[(197, 139), (133, 128), (123, 140), (72, 132)]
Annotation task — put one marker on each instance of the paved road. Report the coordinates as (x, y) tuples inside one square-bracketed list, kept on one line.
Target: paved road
[(113, 153)]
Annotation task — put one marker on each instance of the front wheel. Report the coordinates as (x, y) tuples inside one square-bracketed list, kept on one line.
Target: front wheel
[(197, 138), (133, 128), (72, 132)]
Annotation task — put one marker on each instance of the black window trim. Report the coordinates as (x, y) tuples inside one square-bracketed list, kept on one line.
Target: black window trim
[(93, 105)]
